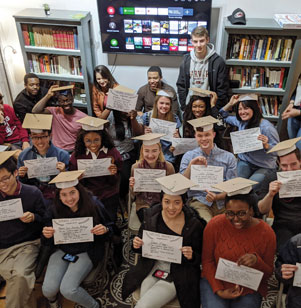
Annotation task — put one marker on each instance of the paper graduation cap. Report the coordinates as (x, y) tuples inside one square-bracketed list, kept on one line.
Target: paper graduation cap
[(200, 92), (248, 97), (149, 139), (236, 186), (205, 122), (175, 184), (91, 123), (37, 122), (124, 89), (164, 93), (4, 156), (67, 179), (285, 147)]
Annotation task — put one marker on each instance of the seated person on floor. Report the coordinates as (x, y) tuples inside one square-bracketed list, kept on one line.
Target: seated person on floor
[(11, 130), (151, 157), (42, 147), (287, 211), (207, 203), (238, 237), (29, 96), (64, 124), (19, 237), (285, 269), (171, 217), (147, 93), (70, 263)]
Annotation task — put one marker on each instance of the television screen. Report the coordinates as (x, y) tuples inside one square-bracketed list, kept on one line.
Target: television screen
[(151, 27)]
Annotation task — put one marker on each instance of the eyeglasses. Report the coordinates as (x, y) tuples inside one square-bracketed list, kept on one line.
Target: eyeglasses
[(36, 138), (6, 179), (239, 214), (95, 141)]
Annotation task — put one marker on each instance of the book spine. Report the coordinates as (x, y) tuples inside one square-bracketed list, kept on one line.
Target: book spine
[(267, 48), (242, 46)]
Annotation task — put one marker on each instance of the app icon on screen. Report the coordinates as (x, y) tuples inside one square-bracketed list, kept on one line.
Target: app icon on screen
[(114, 42), (191, 26), (128, 26), (164, 44), (111, 10), (155, 43), (155, 27), (138, 42), (147, 41), (164, 27), (173, 27), (146, 26), (183, 28), (137, 26), (129, 43), (173, 44), (183, 44)]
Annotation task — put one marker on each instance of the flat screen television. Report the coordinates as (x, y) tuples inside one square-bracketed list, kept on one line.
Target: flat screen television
[(151, 26)]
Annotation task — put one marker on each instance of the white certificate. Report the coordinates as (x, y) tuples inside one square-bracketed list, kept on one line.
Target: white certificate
[(291, 184), (182, 145), (297, 276), (121, 101), (246, 140), (145, 180), (94, 167), (72, 230), (11, 209), (242, 275), (41, 167), (206, 177), (162, 247), (163, 127)]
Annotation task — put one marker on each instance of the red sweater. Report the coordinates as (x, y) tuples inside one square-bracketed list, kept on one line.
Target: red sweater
[(12, 130), (223, 240)]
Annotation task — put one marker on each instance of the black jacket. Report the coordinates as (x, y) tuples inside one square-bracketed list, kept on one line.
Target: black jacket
[(186, 276), (218, 79)]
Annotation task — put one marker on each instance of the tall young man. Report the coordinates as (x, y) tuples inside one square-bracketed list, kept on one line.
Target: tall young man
[(202, 68)]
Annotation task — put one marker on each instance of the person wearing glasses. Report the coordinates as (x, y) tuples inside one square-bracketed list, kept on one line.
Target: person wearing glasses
[(42, 147), (64, 124), (11, 130), (239, 237)]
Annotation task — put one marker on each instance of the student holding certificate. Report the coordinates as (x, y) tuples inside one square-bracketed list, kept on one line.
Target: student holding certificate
[(179, 280), (151, 157), (238, 237), (94, 143), (71, 263), (254, 165)]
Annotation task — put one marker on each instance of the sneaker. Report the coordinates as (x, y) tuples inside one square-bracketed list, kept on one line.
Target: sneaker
[(98, 301), (54, 304)]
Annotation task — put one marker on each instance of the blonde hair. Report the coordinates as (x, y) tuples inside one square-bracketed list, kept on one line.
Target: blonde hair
[(160, 158), (169, 116)]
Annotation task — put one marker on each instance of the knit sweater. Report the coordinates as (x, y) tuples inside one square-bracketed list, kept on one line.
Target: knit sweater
[(223, 240)]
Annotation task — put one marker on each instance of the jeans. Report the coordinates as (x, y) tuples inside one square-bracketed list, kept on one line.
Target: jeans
[(66, 277), (212, 300), (294, 129), (249, 171)]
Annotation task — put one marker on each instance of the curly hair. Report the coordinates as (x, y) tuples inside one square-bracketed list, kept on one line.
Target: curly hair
[(257, 115), (80, 147), (188, 131)]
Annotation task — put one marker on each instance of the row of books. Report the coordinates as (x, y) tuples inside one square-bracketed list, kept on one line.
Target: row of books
[(266, 77), (270, 105), (260, 48), (55, 37), (53, 64)]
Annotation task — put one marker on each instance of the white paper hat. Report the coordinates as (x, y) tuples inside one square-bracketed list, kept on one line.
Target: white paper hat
[(248, 97), (237, 186), (91, 123), (67, 179), (149, 139), (205, 122), (164, 93), (285, 147)]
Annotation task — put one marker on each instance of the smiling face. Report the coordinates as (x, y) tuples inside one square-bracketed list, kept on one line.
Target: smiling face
[(205, 139), (154, 80), (239, 213), (8, 181), (198, 108), (172, 206), (92, 142), (151, 153), (103, 82), (70, 197), (200, 45), (41, 141), (245, 113), (32, 86), (163, 105), (66, 102)]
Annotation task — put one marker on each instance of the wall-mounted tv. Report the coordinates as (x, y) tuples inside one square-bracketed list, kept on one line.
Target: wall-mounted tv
[(151, 26)]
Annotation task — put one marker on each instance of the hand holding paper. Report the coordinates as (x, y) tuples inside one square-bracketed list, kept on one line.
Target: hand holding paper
[(288, 270), (137, 242)]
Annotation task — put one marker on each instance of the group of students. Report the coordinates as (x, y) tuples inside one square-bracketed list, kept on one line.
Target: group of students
[(213, 225)]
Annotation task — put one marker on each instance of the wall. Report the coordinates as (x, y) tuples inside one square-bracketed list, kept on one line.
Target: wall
[(126, 64)]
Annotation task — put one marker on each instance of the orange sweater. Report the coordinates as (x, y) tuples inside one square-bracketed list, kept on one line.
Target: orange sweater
[(223, 240)]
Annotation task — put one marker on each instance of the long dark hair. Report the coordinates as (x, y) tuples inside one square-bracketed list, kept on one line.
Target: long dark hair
[(86, 206), (119, 119), (188, 131), (257, 115), (105, 73)]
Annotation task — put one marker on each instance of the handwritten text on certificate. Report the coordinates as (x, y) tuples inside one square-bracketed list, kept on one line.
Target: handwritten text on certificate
[(246, 140), (10, 209), (205, 177), (182, 145), (242, 275), (291, 184), (41, 167), (121, 101), (94, 167), (163, 127), (72, 230), (162, 247), (145, 179)]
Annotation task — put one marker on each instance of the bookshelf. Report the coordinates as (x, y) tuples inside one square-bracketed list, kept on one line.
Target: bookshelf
[(58, 48), (286, 58)]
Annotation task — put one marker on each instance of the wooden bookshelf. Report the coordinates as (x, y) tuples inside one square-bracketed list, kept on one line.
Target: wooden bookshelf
[(62, 33), (264, 28)]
